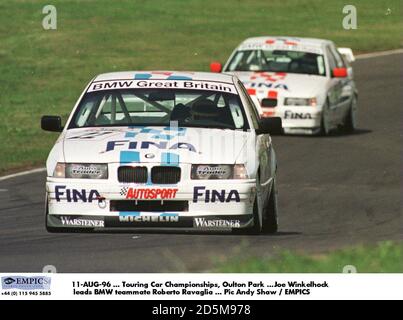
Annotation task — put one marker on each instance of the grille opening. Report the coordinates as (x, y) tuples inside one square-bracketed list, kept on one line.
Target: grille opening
[(132, 174), (267, 102), (149, 206), (165, 175)]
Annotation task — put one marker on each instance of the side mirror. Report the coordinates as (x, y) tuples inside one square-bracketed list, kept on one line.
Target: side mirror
[(51, 123), (339, 72), (270, 125), (215, 67), (347, 53)]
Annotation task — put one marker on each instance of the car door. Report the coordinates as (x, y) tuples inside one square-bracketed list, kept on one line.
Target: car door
[(344, 88), (263, 147), (347, 88)]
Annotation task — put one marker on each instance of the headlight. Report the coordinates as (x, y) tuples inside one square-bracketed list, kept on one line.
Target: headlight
[(81, 171), (300, 102), (218, 171)]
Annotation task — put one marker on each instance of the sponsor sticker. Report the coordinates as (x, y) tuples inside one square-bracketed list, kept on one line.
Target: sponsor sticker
[(206, 195), (162, 84), (74, 195), (215, 223), (148, 218), (296, 115), (82, 222), (25, 283), (145, 145), (149, 194), (284, 45)]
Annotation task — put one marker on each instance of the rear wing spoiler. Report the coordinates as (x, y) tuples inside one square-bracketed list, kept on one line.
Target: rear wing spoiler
[(347, 53)]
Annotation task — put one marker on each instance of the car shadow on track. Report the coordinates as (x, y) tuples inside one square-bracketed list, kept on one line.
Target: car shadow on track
[(356, 132), (190, 233), (332, 134)]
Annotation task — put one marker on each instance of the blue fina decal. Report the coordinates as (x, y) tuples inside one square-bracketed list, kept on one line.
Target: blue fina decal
[(130, 134), (178, 131), (129, 213), (168, 158), (129, 156), (163, 137), (174, 77), (142, 76), (149, 130)]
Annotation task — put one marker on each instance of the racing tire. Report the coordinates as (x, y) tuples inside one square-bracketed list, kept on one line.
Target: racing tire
[(270, 213), (324, 125), (350, 123), (256, 228)]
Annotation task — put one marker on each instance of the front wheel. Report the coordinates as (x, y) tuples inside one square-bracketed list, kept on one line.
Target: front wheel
[(270, 216), (257, 227)]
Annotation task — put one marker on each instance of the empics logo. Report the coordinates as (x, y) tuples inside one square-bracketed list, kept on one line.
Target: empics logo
[(25, 283), (9, 280)]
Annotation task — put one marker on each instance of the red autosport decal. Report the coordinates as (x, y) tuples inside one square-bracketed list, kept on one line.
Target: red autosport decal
[(149, 194)]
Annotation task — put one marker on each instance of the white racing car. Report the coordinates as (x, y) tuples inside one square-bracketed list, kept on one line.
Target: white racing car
[(164, 150), (307, 82)]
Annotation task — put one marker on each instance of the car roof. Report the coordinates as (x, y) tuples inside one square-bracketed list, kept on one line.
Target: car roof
[(303, 41), (165, 75)]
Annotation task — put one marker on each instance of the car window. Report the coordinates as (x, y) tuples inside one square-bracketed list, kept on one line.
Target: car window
[(331, 59), (158, 107), (339, 60), (289, 61), (251, 106)]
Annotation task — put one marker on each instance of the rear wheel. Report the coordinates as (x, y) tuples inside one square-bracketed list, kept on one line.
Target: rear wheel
[(350, 123), (324, 124)]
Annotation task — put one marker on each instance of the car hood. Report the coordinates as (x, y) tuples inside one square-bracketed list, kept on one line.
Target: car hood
[(285, 84), (155, 145)]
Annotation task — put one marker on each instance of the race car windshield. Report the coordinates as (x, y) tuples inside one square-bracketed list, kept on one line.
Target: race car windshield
[(278, 61), (159, 107)]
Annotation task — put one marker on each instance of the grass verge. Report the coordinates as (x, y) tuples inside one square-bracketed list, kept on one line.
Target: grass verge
[(43, 72), (385, 257)]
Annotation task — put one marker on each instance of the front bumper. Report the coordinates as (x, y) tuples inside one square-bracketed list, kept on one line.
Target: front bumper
[(102, 205), (297, 119)]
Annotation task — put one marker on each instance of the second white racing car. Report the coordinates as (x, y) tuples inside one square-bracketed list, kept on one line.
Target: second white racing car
[(307, 82)]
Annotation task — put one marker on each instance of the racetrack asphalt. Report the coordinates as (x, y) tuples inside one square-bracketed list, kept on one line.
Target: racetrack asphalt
[(334, 192)]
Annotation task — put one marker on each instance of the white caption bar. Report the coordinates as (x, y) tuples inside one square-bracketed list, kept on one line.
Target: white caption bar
[(163, 286)]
